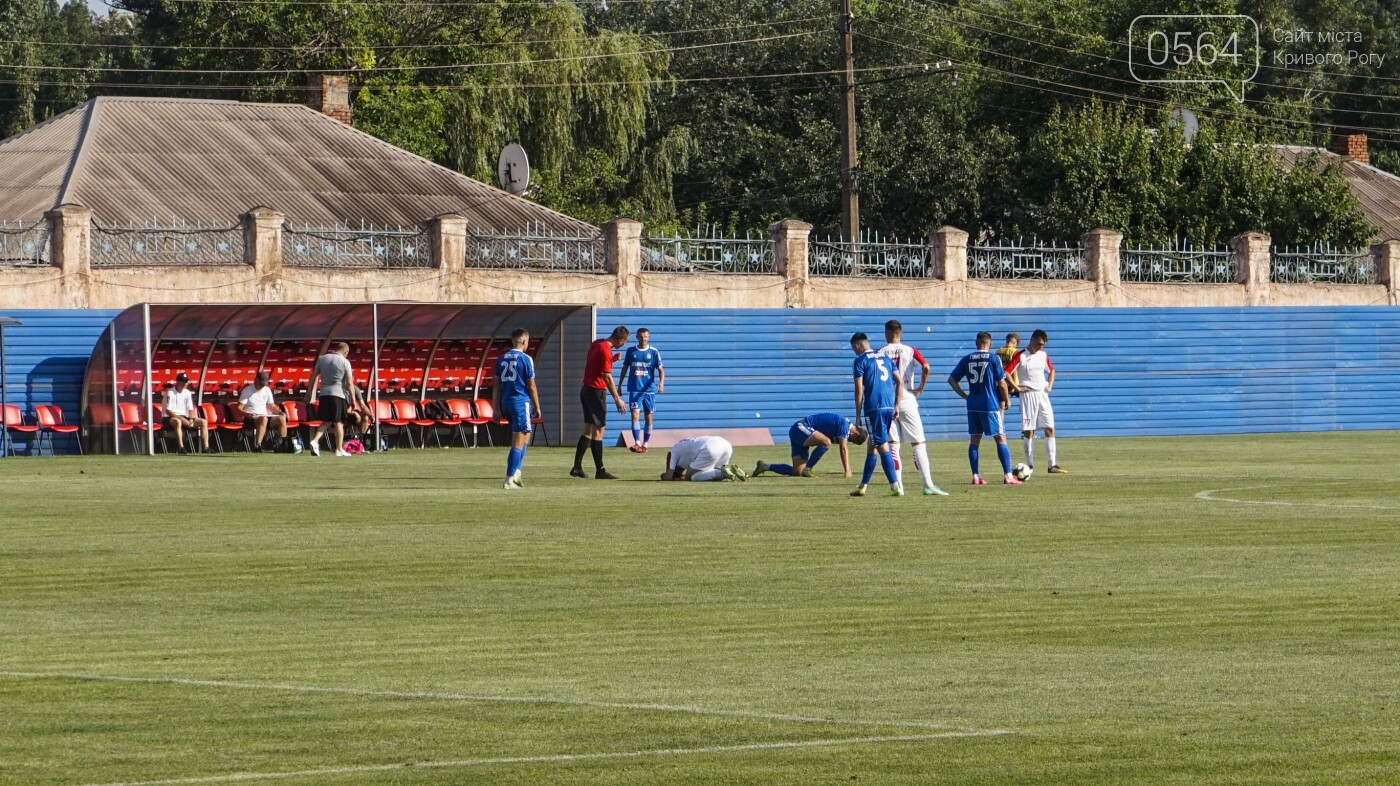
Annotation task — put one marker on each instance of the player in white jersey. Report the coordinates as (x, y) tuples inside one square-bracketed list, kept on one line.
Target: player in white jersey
[(909, 425), (1036, 378), (702, 459)]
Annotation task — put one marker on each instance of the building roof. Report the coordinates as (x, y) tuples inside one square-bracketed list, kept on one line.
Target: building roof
[(1376, 190), (137, 160)]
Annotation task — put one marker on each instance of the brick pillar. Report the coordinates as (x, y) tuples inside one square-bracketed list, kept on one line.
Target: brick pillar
[(330, 95), (1255, 260), (950, 254), (262, 249), (1387, 254), (447, 237), (622, 245), (1101, 256), (791, 239), (70, 237), (1352, 147)]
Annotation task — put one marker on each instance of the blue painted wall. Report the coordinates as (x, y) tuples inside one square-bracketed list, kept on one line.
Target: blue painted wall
[(45, 359), (1120, 372)]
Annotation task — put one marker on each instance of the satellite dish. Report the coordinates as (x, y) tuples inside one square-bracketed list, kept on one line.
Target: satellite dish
[(1187, 121), (514, 169)]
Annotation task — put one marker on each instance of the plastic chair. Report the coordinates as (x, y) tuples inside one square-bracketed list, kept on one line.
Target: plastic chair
[(214, 414), (386, 415), (133, 418), (485, 413), (238, 423), (408, 410), (14, 423), (51, 423)]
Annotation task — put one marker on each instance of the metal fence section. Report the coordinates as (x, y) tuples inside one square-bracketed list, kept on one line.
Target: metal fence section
[(1322, 263), (369, 246), (537, 248), (872, 256), (179, 244), (708, 250), (24, 246), (1035, 261), (1178, 263)]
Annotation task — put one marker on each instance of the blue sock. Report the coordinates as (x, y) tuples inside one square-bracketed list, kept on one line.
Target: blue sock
[(972, 457), (887, 462), (513, 461), (523, 448), (636, 435), (781, 469), (817, 454), (870, 461), (1004, 453), (647, 438)]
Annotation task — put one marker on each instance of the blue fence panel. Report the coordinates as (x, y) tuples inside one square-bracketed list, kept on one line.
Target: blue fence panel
[(45, 359), (1119, 372)]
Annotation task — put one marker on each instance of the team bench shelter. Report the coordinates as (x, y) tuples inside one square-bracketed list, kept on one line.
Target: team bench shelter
[(401, 352)]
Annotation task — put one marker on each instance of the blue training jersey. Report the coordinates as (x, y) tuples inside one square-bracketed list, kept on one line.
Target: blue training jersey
[(982, 370), (834, 426), (641, 367), (514, 371), (878, 373)]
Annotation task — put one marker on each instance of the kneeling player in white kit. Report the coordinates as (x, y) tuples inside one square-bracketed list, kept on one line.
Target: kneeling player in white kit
[(908, 424), (1037, 377), (702, 459)]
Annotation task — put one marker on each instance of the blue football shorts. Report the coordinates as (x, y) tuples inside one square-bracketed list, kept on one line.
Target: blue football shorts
[(641, 402), (798, 435), (987, 424), (877, 422), (518, 413)]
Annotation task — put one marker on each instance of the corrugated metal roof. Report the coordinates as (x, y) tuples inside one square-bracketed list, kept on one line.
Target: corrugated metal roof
[(1376, 190), (132, 160)]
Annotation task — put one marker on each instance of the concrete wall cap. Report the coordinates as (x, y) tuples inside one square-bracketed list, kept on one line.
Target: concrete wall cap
[(948, 230), (790, 224)]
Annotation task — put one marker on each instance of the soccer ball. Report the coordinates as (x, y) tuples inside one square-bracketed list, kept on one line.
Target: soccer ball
[(1022, 472)]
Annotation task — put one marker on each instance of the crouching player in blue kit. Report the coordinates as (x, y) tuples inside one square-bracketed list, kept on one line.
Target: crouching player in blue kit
[(811, 437), (986, 401), (516, 398), (645, 379), (878, 387)]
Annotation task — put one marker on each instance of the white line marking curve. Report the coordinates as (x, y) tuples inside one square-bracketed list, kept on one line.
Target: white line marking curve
[(1208, 495)]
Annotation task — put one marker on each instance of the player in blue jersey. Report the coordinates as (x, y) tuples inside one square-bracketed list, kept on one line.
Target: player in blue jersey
[(811, 437), (986, 401), (517, 400), (878, 388), (645, 378)]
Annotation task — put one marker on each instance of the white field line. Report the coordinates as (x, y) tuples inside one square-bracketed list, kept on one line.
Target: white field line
[(238, 777), (468, 697), (1209, 496)]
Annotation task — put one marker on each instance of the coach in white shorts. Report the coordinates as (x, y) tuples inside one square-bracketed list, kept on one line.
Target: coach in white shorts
[(702, 459), (908, 423), (1037, 377)]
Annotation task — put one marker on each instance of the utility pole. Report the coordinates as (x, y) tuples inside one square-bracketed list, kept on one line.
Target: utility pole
[(850, 178)]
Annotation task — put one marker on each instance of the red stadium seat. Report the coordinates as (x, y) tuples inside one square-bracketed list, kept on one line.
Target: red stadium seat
[(462, 414), (483, 417), (385, 414), (14, 423)]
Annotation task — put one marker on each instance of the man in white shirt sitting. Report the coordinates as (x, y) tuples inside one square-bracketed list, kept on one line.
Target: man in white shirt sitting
[(261, 408), (180, 413)]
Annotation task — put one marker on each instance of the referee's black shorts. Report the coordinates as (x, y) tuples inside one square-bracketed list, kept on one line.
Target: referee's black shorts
[(595, 405)]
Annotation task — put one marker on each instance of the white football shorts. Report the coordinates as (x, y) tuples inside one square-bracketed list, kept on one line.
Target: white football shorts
[(716, 453), (1036, 412), (908, 426)]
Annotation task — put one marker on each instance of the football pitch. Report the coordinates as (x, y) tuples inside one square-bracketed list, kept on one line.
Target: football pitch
[(1196, 610)]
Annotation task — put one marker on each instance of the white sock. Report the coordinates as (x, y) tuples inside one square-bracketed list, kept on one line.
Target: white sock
[(1029, 442), (1050, 451), (921, 463), (709, 474), (898, 465)]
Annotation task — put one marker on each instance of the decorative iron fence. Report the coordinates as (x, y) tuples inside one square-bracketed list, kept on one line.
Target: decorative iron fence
[(369, 246), (1180, 263), (1322, 263), (177, 244), (872, 256), (24, 246), (1036, 261), (537, 248), (708, 250)]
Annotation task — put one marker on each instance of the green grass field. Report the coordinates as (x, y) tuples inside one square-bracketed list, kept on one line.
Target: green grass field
[(1207, 610)]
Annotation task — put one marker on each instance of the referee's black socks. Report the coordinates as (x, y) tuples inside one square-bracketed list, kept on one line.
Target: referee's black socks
[(583, 443), (597, 454)]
